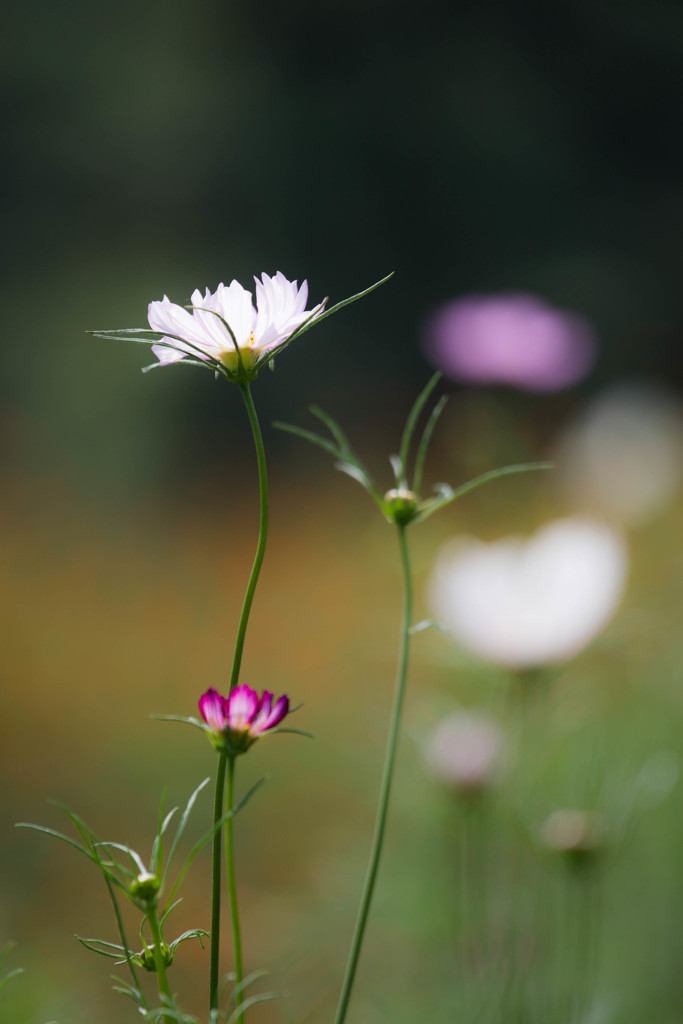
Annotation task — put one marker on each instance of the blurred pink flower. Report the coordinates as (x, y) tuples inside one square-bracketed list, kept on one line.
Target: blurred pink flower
[(465, 752), (510, 338)]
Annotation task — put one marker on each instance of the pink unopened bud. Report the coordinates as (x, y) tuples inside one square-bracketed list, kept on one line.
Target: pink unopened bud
[(579, 835), (465, 752)]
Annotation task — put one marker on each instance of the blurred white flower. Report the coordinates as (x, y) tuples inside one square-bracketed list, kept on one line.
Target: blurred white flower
[(525, 603), (623, 458), (465, 752)]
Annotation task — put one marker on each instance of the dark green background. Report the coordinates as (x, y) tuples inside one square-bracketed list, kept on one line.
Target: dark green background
[(155, 147)]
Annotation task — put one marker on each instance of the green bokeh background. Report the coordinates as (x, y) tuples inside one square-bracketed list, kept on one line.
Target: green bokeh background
[(470, 147)]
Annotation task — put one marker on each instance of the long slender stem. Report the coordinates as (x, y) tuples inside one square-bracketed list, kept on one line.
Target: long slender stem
[(262, 537), (216, 884), (227, 763), (160, 966), (124, 941), (385, 788), (232, 888)]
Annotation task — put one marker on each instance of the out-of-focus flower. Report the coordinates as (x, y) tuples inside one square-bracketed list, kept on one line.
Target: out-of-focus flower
[(510, 338), (241, 717), (465, 752), (526, 603), (623, 458), (224, 327), (579, 835)]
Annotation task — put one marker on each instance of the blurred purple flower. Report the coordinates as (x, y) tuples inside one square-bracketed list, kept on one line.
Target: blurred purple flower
[(241, 717), (510, 338)]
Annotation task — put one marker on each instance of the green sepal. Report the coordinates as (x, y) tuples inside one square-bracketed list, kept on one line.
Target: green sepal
[(317, 318), (346, 459), (286, 728), (179, 831), (425, 440), (112, 950), (244, 984), (4, 953), (182, 718), (409, 429), (252, 1001), (425, 624), (446, 494), (209, 834)]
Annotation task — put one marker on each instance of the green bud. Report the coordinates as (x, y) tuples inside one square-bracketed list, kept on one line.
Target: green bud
[(145, 887), (145, 958), (400, 505)]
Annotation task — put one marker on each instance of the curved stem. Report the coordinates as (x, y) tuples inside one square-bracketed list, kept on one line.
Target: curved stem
[(385, 788), (124, 941), (216, 884), (262, 537), (232, 890), (159, 965), (230, 762)]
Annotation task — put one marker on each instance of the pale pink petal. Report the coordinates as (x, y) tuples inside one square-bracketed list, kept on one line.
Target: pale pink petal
[(212, 708), (242, 706), (167, 355)]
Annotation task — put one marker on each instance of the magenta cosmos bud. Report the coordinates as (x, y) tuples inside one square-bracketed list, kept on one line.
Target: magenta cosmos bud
[(240, 718)]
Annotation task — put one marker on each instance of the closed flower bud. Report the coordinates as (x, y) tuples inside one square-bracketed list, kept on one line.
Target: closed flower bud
[(400, 505), (145, 887), (465, 753), (145, 958), (578, 835)]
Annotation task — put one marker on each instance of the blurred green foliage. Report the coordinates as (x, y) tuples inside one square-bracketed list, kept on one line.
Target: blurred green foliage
[(103, 629)]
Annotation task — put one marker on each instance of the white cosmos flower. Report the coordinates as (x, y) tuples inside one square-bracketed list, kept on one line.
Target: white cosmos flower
[(204, 333), (623, 457), (525, 603)]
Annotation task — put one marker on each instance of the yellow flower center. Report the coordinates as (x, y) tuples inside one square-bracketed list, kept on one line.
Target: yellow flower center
[(248, 354)]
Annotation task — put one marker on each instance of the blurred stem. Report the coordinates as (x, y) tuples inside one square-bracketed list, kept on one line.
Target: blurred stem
[(262, 537), (585, 898), (216, 883), (124, 942), (232, 890), (159, 965), (385, 788)]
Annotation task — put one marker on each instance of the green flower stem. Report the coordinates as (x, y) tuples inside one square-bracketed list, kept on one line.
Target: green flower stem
[(124, 942), (232, 889), (385, 788), (216, 884), (162, 980), (227, 763), (262, 537)]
